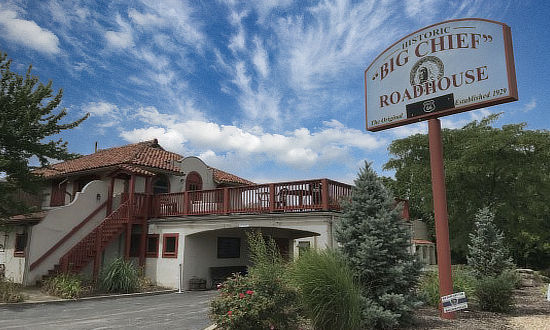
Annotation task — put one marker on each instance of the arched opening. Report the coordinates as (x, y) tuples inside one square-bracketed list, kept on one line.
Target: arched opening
[(193, 181), (161, 185)]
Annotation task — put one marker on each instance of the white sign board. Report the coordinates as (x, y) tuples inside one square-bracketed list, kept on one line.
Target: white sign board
[(454, 302), (445, 68)]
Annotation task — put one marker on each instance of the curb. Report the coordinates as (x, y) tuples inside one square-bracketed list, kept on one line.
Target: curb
[(212, 327), (113, 296)]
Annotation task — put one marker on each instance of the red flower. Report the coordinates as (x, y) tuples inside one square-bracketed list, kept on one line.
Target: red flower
[(249, 292), (241, 295), (229, 313)]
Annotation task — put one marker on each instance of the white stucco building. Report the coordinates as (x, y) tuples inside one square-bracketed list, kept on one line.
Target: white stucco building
[(177, 217)]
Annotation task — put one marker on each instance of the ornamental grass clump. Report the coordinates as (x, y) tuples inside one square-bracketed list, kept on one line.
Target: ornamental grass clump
[(10, 292), (463, 281), (328, 291), (68, 286), (120, 276), (262, 299)]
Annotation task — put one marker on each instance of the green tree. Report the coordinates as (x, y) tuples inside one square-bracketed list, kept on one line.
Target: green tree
[(505, 167), (28, 118), (487, 254), (376, 242)]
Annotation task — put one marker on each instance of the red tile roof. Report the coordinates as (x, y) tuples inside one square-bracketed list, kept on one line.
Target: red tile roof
[(224, 177), (148, 154)]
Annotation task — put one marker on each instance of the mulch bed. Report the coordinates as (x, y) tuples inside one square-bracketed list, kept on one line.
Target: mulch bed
[(532, 311)]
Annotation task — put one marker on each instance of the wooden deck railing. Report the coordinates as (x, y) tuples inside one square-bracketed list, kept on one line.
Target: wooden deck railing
[(295, 196)]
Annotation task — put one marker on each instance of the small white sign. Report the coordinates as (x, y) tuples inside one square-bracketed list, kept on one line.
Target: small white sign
[(454, 302), (548, 294)]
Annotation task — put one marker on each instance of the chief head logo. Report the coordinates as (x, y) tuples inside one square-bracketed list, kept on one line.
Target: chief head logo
[(427, 69)]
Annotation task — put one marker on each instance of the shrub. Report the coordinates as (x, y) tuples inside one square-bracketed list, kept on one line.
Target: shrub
[(495, 294), (328, 291), (463, 280), (68, 286), (375, 241), (10, 292), (487, 254), (119, 276), (263, 299)]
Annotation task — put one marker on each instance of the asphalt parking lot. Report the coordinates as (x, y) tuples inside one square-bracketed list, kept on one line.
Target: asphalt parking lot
[(188, 310)]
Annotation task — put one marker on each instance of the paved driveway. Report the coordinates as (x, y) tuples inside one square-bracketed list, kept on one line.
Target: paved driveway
[(188, 310)]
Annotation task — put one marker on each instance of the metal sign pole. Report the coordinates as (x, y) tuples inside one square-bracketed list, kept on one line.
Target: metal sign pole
[(440, 210)]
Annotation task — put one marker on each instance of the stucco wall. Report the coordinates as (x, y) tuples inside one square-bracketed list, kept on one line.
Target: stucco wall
[(197, 241), (190, 164), (60, 221), (14, 266)]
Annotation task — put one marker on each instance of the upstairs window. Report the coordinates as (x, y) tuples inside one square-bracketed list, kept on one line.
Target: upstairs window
[(58, 193), (161, 185), (193, 181)]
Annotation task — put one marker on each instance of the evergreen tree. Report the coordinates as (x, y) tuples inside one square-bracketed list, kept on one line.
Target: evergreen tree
[(376, 242), (28, 119), (487, 254)]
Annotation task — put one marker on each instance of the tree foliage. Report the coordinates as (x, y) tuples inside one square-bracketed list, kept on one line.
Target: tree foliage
[(505, 167), (487, 254), (28, 118), (375, 241)]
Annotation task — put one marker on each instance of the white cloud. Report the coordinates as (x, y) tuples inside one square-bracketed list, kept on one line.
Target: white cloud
[(338, 38), (145, 19), (300, 148), (123, 38), (422, 10), (101, 108), (530, 106), (260, 58), (27, 33)]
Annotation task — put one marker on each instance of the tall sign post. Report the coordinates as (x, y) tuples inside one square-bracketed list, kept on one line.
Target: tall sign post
[(443, 69)]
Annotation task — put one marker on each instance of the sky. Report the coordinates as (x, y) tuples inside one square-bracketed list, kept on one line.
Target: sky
[(268, 90)]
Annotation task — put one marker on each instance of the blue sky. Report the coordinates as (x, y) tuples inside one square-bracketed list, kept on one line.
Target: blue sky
[(269, 90)]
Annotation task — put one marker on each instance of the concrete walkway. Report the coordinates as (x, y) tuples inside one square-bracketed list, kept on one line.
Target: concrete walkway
[(188, 310)]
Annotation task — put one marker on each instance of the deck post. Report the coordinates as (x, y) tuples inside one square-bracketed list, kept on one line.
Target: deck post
[(271, 197), (324, 194), (130, 216), (226, 200)]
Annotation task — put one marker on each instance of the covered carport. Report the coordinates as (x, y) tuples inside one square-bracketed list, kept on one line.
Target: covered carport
[(211, 255)]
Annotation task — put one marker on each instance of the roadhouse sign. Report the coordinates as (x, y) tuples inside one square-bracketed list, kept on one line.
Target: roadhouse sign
[(445, 68)]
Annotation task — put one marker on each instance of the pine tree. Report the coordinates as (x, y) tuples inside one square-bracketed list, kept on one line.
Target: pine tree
[(374, 238), (487, 254)]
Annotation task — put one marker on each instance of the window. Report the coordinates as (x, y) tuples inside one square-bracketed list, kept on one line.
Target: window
[(170, 246), (303, 247), (193, 181), (161, 185), (152, 246), (20, 244), (57, 197), (229, 247)]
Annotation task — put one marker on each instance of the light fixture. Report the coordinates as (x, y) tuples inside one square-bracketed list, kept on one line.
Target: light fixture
[(98, 197)]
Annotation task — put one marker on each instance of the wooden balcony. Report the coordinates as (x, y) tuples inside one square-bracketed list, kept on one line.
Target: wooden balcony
[(295, 196)]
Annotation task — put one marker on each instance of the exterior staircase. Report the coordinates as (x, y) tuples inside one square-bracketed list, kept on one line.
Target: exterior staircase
[(93, 244)]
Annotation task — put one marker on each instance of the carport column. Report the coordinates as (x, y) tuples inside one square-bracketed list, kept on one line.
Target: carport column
[(144, 224)]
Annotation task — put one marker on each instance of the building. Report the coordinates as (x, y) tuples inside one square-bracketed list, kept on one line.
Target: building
[(175, 216)]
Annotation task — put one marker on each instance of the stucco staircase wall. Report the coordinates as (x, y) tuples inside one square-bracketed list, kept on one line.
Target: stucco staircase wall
[(59, 222)]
